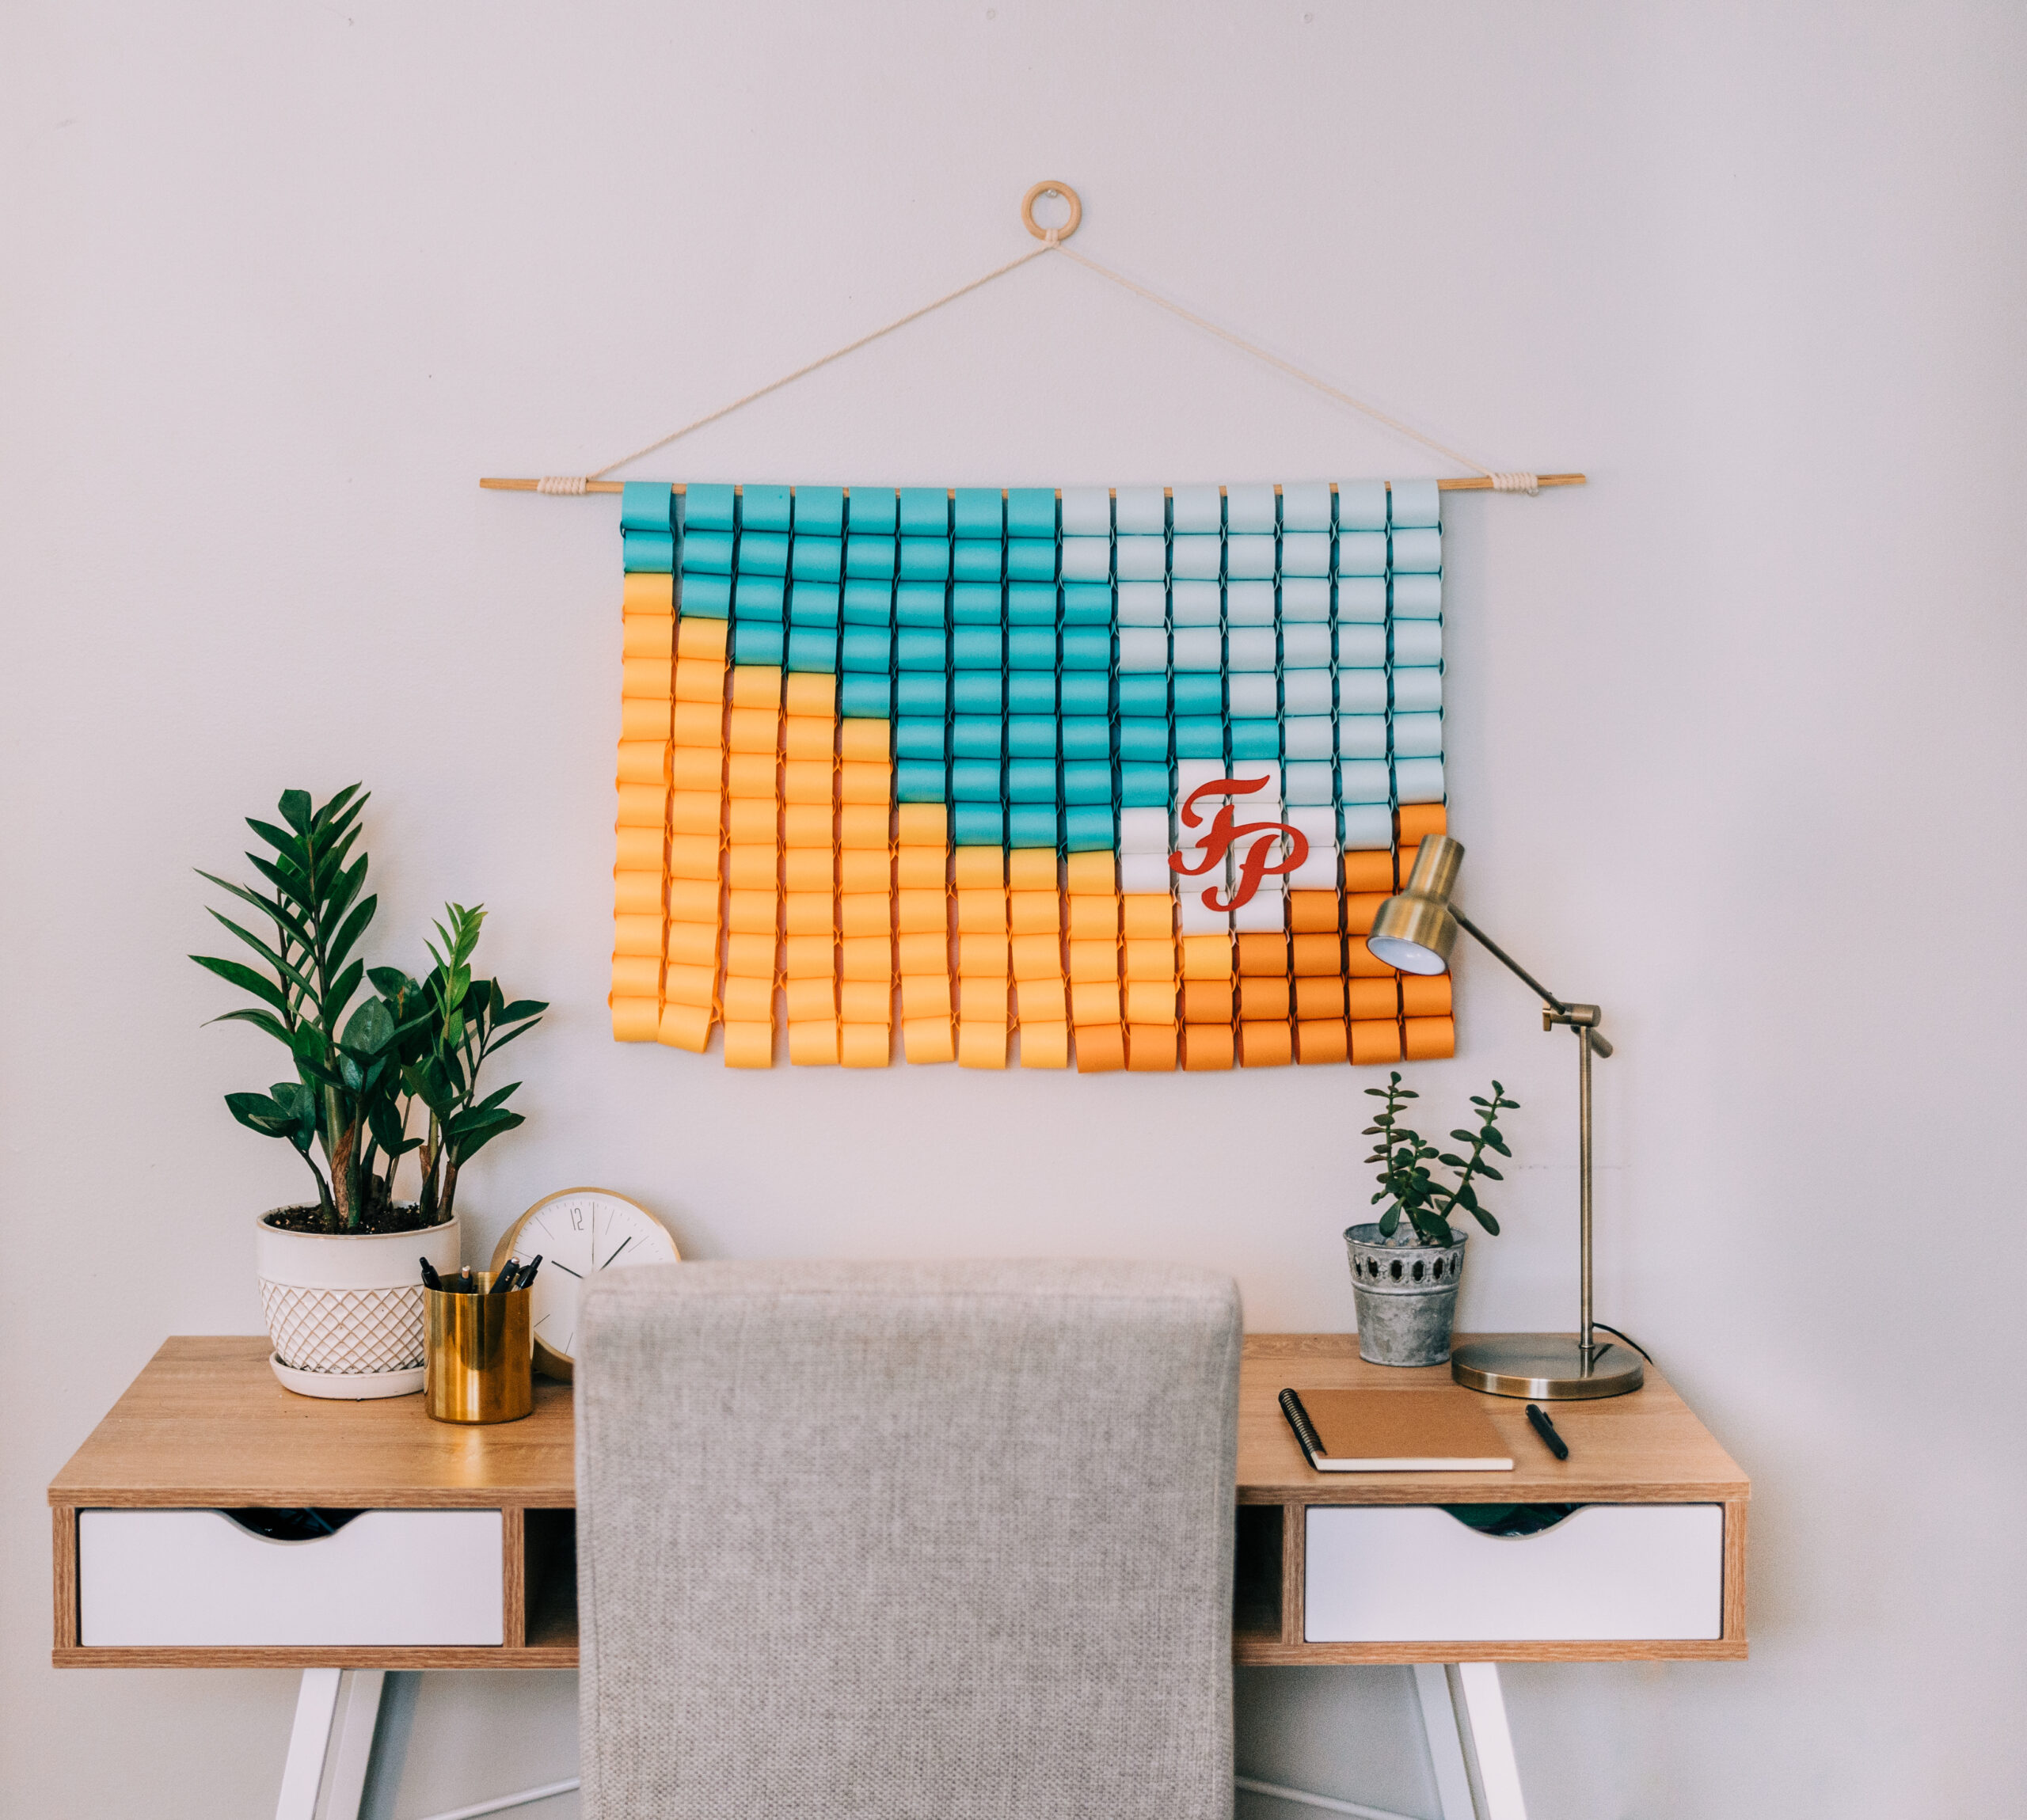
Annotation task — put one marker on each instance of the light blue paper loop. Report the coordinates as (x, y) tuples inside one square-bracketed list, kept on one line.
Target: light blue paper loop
[(1305, 783), (1417, 691), (1031, 781), (1306, 736), (916, 648), (1139, 512), (978, 825), (866, 697), (919, 780), (1362, 735), (1200, 695), (975, 781), (1087, 781), (1144, 785), (1196, 510), (1030, 559), (976, 602), (1305, 507), (978, 736), (980, 512), (1416, 503), (1415, 642), (1090, 830), (1306, 692), (1305, 647), (1256, 739), (1251, 695), (921, 603), (1031, 691), (758, 597), (1030, 647), (1361, 505), (1249, 603), (1248, 648), (1086, 736), (1086, 512), (1367, 827), (871, 511), (1305, 552), (1249, 508), (1032, 736), (1304, 598), (1087, 647), (813, 650), (1141, 558), (1086, 692), (1362, 553), (978, 561), (757, 641), (870, 558), (1032, 825), (706, 597), (813, 603), (920, 692), (869, 603), (1250, 558), (1362, 692), (1417, 735), (1143, 739), (1418, 597), (1417, 552), (1030, 603), (1087, 559), (1199, 736), (1197, 647), (1086, 603), (1361, 647), (763, 553), (1364, 780), (1418, 780), (1363, 599), (1196, 558), (977, 647), (817, 559), (921, 736), (978, 691), (867, 647)]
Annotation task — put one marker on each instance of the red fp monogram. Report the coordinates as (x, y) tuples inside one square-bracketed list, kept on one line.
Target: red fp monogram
[(1223, 836)]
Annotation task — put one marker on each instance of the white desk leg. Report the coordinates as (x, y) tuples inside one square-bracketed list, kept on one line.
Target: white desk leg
[(1488, 1740), (316, 1711), (336, 1712), (1446, 1744), (351, 1745)]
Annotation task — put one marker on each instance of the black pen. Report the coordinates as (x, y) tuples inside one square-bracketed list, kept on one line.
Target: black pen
[(430, 1278), (504, 1281), (1542, 1426), (528, 1271), (466, 1286)]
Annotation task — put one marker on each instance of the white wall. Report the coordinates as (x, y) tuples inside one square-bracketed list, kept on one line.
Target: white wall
[(283, 281)]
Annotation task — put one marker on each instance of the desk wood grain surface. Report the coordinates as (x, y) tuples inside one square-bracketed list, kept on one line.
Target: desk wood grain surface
[(207, 1425)]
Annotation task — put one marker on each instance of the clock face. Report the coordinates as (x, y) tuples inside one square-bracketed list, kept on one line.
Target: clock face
[(579, 1233)]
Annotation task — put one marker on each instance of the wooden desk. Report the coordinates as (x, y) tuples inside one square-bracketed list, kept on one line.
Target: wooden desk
[(205, 1426)]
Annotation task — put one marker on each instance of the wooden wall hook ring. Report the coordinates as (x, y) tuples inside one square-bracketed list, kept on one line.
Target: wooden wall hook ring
[(1049, 187)]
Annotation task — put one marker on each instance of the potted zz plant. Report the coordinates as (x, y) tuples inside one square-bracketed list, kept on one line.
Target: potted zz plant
[(340, 1285), (1405, 1266)]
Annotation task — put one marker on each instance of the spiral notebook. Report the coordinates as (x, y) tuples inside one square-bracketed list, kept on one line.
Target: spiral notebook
[(1393, 1431)]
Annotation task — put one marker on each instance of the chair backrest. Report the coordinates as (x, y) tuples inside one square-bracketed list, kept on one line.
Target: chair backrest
[(906, 1541)]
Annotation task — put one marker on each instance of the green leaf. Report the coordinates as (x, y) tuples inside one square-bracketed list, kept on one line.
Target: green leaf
[(267, 907), (355, 926), (392, 982), (342, 988), (1497, 1142), (370, 1030), (1490, 1173), (1485, 1220), (280, 839), (237, 973), (294, 807), (1389, 1222), (259, 1020), (1465, 1137), (1452, 1162)]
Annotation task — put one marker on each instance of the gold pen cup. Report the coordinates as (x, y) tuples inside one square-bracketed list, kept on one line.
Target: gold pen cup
[(480, 1364)]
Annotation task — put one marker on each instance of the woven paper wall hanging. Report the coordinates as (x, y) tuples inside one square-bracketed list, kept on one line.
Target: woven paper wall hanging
[(1120, 774)]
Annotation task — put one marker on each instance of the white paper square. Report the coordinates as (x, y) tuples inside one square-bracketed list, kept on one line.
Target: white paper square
[(1146, 872), (1250, 648), (1305, 647), (1416, 550), (1361, 598), (1417, 735), (1418, 597), (1361, 553), (1195, 603), (1196, 558), (1321, 872), (1416, 502), (1417, 691), (1416, 642), (1143, 831), (1418, 780), (1362, 735), (1086, 512), (1361, 691), (1363, 781), (1198, 647), (1367, 827), (1308, 735), (1361, 647), (1317, 821), (1140, 511), (1305, 552), (1264, 913), (1252, 696), (1196, 916), (1250, 603)]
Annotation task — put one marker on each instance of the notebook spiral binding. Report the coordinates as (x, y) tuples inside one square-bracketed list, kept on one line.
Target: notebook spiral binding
[(1298, 1420)]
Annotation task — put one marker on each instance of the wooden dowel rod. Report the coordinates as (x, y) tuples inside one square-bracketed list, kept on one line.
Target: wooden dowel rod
[(1477, 484)]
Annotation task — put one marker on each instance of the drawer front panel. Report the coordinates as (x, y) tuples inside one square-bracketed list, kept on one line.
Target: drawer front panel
[(195, 1577), (1408, 1573)]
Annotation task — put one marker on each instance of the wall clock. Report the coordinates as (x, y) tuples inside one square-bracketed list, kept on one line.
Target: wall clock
[(579, 1232)]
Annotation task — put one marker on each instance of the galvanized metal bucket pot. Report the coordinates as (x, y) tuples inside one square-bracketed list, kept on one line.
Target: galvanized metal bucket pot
[(1406, 1296)]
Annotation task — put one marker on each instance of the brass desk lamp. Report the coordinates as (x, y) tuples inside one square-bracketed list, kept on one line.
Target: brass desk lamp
[(1416, 931)]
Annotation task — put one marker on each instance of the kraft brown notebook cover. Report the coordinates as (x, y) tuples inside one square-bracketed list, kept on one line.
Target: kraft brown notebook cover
[(1394, 1432)]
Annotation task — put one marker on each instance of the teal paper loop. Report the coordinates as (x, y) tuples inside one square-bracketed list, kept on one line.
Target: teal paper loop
[(1086, 736), (645, 506), (1031, 781), (977, 736), (1200, 695), (1034, 736), (757, 597), (648, 552), (977, 647), (812, 603), (867, 648), (1031, 691), (1142, 786), (925, 512), (817, 559), (812, 650), (975, 781), (868, 602), (1089, 692), (917, 649), (917, 780), (1031, 825), (922, 736), (977, 512), (979, 561), (1031, 603), (1087, 647), (920, 603), (978, 825), (1031, 512), (866, 697), (1086, 603), (1089, 830), (1087, 782), (918, 693), (1143, 740), (820, 511), (976, 603), (1146, 695), (706, 597), (979, 691), (1256, 738), (1199, 736), (767, 508), (925, 559), (870, 510), (756, 641), (1029, 559), (707, 507), (707, 552), (1030, 647), (871, 558)]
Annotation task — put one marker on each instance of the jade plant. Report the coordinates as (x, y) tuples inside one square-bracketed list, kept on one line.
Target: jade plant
[(362, 1067), (1406, 1179)]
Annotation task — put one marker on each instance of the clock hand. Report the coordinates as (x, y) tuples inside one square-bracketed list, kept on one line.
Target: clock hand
[(561, 1266), (623, 1243)]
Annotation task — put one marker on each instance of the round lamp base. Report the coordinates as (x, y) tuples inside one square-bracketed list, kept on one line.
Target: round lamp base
[(1548, 1367)]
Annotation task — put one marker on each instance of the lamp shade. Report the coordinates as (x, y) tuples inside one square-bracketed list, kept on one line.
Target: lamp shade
[(1415, 931)]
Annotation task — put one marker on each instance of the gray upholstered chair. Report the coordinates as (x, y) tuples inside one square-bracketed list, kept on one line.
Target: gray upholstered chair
[(906, 1541)]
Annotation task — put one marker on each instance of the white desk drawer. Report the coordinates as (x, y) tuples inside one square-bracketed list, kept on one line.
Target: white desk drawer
[(1413, 1573), (196, 1577)]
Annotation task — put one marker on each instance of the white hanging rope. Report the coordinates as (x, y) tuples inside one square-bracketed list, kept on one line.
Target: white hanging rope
[(1053, 240)]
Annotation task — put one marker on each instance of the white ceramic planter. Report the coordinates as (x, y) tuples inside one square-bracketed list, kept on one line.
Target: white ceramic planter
[(344, 1310)]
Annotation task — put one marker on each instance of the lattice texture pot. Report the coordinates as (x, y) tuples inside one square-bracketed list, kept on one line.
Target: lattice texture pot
[(1406, 1296), (345, 1330)]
